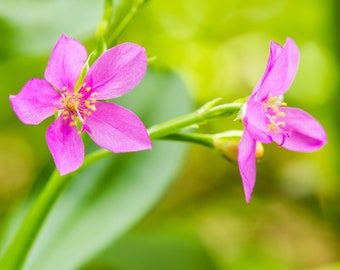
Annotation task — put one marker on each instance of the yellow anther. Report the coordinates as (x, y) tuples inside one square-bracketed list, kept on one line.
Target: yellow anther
[(55, 109), (64, 88), (65, 112), (269, 127), (281, 123), (273, 112), (94, 94), (281, 114), (271, 98), (88, 89), (275, 108), (73, 123)]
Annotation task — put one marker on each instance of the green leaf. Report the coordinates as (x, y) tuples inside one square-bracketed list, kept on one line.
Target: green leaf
[(154, 250), (110, 197)]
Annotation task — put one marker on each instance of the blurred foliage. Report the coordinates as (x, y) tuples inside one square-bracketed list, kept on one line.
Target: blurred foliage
[(219, 49)]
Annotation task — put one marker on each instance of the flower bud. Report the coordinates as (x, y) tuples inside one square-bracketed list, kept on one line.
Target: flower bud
[(227, 145)]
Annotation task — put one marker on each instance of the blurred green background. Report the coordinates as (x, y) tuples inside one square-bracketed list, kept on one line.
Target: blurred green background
[(218, 49)]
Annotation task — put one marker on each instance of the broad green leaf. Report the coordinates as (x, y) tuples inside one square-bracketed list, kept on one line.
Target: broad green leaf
[(110, 197), (154, 250)]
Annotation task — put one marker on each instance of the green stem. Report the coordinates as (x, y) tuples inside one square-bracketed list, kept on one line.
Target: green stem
[(198, 117), (104, 25), (16, 253), (202, 139), (125, 21), (103, 31)]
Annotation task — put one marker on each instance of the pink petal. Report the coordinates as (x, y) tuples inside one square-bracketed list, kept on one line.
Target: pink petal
[(117, 71), (35, 102), (307, 133), (280, 72), (255, 122), (117, 129), (247, 163), (275, 51), (66, 146), (66, 61)]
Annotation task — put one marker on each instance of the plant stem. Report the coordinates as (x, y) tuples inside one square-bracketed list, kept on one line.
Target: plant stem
[(202, 139), (198, 117), (16, 253), (104, 24), (124, 22)]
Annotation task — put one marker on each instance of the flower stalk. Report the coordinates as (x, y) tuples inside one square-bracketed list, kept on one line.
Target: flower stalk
[(17, 251), (112, 39), (205, 113)]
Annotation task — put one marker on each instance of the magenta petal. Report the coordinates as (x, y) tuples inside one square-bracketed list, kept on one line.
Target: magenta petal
[(307, 134), (117, 129), (255, 122), (117, 71), (247, 163), (275, 51), (280, 72), (66, 61), (66, 146), (35, 102)]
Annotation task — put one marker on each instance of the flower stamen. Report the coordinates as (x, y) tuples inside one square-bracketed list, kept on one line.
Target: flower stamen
[(275, 116), (76, 107)]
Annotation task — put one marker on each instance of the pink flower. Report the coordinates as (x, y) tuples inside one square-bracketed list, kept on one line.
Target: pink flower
[(267, 119), (109, 125)]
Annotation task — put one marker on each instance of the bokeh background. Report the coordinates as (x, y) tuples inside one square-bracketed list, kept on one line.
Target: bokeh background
[(216, 49)]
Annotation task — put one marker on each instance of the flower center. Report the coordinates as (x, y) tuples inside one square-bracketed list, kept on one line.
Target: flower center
[(78, 106), (71, 102), (276, 117)]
